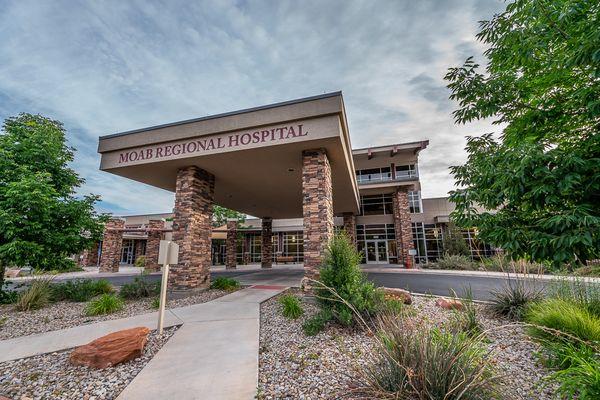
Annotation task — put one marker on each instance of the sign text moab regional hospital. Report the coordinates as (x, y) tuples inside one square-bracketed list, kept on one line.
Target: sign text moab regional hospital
[(225, 142)]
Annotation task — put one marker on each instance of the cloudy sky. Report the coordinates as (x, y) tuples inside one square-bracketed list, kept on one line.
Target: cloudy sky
[(108, 66)]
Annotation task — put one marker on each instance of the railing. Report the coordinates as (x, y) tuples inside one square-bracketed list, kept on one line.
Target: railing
[(377, 178)]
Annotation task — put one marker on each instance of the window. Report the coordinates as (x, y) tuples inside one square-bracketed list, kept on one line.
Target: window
[(293, 245), (406, 172), (414, 202), (380, 204), (374, 175), (428, 241)]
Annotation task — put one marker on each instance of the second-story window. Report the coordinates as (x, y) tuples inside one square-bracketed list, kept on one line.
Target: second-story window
[(380, 204), (414, 202), (406, 171), (374, 175)]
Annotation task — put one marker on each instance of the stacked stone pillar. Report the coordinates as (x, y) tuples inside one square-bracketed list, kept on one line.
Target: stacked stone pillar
[(317, 206), (112, 244), (266, 243), (194, 199), (403, 227), (89, 257), (247, 248), (350, 227), (231, 244), (155, 234)]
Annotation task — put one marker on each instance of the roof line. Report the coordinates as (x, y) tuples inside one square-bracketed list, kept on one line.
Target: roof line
[(419, 143), (227, 114)]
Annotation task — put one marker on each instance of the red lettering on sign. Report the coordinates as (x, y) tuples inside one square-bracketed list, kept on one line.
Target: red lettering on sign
[(123, 157)]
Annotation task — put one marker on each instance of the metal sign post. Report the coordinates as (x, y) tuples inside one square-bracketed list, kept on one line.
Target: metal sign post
[(168, 253)]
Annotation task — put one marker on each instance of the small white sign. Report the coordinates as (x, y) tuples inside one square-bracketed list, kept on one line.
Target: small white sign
[(168, 252), (412, 252)]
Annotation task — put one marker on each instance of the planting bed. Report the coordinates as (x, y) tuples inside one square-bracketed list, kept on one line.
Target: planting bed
[(64, 314), (51, 376), (325, 366)]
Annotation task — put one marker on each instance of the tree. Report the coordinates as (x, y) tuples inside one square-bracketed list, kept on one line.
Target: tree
[(541, 177), (222, 214), (42, 223), (454, 242)]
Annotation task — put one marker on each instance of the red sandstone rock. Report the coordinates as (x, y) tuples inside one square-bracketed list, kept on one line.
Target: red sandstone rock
[(11, 273), (111, 349), (398, 294), (449, 304)]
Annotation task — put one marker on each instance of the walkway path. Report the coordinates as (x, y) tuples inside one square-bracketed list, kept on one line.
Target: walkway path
[(213, 355)]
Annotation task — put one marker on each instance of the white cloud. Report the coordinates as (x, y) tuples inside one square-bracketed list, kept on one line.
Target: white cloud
[(103, 67)]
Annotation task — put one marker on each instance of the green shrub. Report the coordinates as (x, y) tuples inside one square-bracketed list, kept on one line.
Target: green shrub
[(580, 291), (342, 276), (466, 320), (393, 306), (80, 290), (454, 262), (581, 377), (316, 323), (140, 288), (291, 306), (155, 303), (224, 283), (105, 304), (588, 270), (558, 315), (36, 296), (514, 297), (413, 362), (8, 296), (140, 262), (502, 263), (454, 243)]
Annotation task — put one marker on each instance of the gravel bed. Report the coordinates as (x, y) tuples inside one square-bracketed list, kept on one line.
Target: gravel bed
[(63, 314), (51, 376), (294, 366)]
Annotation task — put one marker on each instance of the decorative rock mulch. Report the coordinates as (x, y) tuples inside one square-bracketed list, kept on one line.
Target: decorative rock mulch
[(63, 315), (294, 366), (52, 376)]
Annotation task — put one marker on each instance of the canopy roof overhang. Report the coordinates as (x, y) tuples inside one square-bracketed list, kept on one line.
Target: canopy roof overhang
[(254, 154)]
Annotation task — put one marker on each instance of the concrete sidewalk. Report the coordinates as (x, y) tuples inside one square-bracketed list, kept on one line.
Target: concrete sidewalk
[(213, 355)]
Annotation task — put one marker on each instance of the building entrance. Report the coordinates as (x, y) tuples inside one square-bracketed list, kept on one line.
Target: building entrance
[(377, 252)]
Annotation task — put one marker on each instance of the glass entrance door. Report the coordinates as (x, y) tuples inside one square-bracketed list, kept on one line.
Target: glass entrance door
[(377, 252)]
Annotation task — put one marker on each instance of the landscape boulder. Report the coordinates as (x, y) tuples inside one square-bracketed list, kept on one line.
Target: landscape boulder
[(111, 349), (449, 304), (11, 273), (398, 294)]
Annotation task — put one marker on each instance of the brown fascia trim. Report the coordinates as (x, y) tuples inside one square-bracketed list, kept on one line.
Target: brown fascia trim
[(227, 114), (392, 148)]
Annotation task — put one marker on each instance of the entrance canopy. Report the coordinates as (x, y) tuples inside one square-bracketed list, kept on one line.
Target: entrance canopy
[(254, 154)]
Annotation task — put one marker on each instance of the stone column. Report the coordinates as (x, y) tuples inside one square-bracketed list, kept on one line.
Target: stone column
[(266, 245), (89, 257), (194, 198), (231, 243), (111, 245), (350, 227), (155, 234), (247, 248), (403, 227), (317, 206)]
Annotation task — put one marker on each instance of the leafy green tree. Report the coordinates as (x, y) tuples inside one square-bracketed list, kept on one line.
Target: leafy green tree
[(42, 223), (221, 214), (541, 177), (454, 242)]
